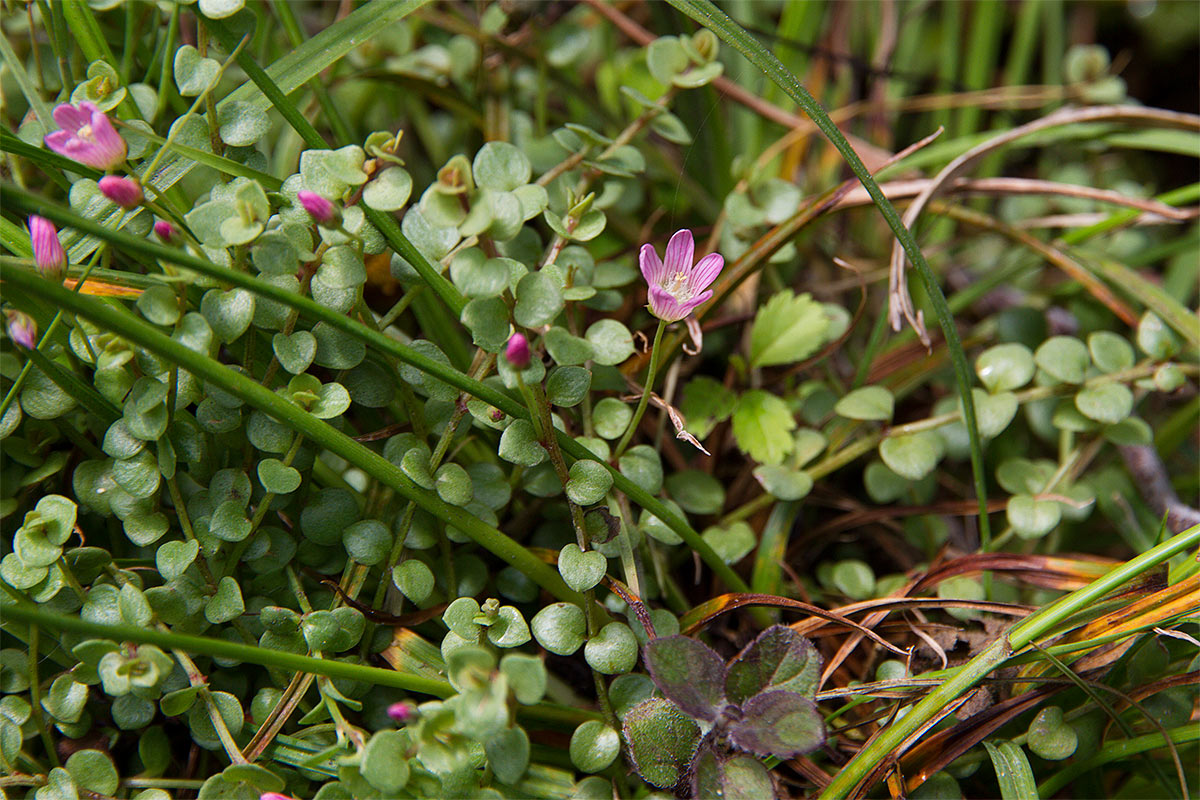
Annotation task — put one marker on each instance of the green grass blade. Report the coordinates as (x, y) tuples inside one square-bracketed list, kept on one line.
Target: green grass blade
[(95, 403), (30, 203), (121, 322), (1116, 750), (384, 222), (707, 14), (1012, 771), (32, 95), (1040, 623)]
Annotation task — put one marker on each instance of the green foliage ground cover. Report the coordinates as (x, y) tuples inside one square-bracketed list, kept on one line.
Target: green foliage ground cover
[(375, 421)]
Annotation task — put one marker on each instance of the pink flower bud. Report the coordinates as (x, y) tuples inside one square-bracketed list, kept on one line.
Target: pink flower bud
[(48, 253), (87, 136), (125, 192), (275, 796), (517, 351), (402, 712), (165, 231), (318, 207), (22, 329)]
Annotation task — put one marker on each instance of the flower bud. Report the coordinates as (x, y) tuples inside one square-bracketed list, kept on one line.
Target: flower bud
[(165, 231), (22, 329), (318, 208), (48, 253), (402, 712), (517, 351), (125, 192)]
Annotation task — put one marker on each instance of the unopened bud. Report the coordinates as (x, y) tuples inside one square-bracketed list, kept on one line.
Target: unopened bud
[(517, 351), (125, 192)]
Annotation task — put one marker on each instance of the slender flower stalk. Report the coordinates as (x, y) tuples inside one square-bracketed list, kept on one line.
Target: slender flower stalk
[(646, 390), (48, 253), (125, 192), (676, 285), (87, 136)]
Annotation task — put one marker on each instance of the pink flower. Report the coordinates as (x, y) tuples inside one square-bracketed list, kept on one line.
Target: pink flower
[(517, 351), (48, 253), (318, 207), (402, 712), (22, 329), (87, 136), (677, 285), (165, 231), (275, 796), (125, 192)]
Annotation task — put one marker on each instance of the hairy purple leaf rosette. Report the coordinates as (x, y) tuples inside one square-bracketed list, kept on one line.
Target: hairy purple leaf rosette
[(48, 253), (677, 285), (87, 136), (761, 703)]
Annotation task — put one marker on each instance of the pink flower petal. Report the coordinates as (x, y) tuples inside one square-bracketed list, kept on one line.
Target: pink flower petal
[(664, 305), (697, 301), (706, 271), (652, 266), (70, 118), (106, 137), (680, 251)]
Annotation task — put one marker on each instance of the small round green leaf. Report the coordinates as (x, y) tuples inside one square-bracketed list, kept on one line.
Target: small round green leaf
[(581, 570), (1108, 403), (1063, 358), (1110, 352), (613, 651), (539, 300), (1049, 736), (277, 477), (611, 417), (867, 403), (912, 456), (414, 579), (1031, 518), (611, 342), (594, 746), (1005, 367), (501, 166), (560, 628)]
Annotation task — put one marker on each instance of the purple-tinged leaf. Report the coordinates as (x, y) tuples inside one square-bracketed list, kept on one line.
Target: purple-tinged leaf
[(736, 778), (779, 658), (689, 673), (662, 741), (779, 723)]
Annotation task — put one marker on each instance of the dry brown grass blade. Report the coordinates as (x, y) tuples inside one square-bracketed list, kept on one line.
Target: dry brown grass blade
[(899, 301), (1049, 572), (1127, 621), (1098, 288), (936, 752), (705, 613)]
